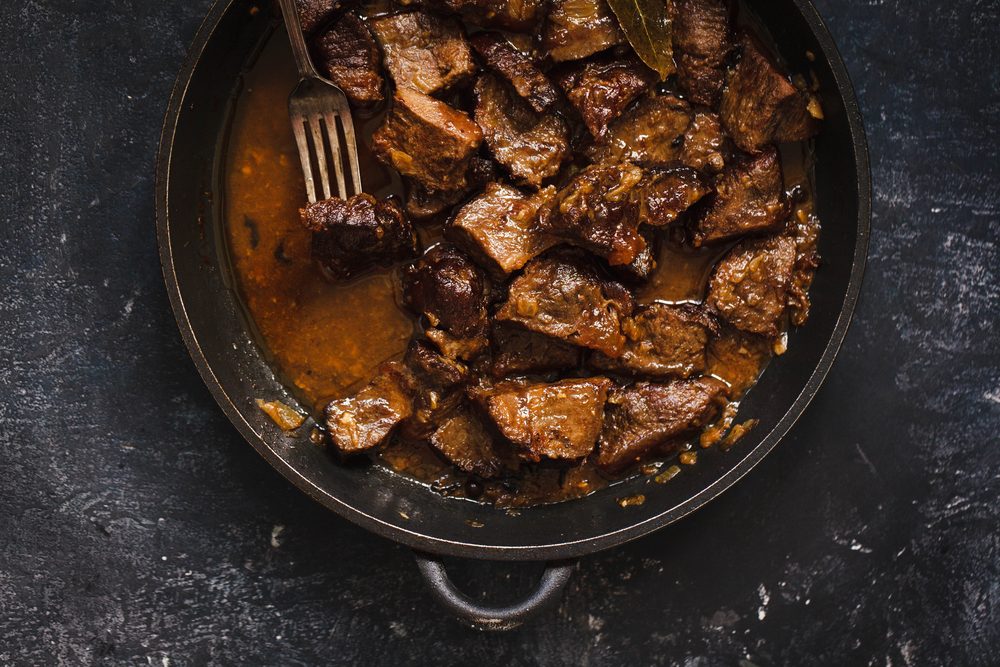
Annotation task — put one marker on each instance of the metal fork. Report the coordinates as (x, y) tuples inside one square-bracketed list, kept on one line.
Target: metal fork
[(315, 107)]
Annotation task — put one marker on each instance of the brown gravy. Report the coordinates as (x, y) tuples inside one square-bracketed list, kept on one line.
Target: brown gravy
[(327, 339)]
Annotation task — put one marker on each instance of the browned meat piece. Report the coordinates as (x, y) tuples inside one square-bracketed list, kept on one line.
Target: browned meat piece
[(601, 89), (645, 416), (563, 296), (554, 421), (348, 56), (703, 143), (805, 231), (665, 196), (661, 131), (427, 141), (512, 14), (501, 225), (456, 347), (314, 13), (662, 342), (748, 199), (517, 351), (433, 370), (529, 145), (642, 267), (517, 68), (761, 106), (578, 28), (433, 387), (650, 134), (422, 204), (424, 52), (597, 211), (365, 420), (750, 285), (464, 441), (702, 35), (353, 235), (452, 293), (448, 289)]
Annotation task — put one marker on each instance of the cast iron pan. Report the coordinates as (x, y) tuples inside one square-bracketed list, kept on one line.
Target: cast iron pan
[(189, 221)]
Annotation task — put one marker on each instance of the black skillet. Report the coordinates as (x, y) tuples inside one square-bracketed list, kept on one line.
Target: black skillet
[(212, 324)]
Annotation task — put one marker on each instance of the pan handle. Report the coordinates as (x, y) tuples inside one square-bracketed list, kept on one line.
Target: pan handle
[(485, 617)]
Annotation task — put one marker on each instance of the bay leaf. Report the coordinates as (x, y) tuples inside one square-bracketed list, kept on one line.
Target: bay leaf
[(646, 24)]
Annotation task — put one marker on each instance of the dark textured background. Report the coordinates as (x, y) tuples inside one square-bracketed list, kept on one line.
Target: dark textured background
[(136, 527)]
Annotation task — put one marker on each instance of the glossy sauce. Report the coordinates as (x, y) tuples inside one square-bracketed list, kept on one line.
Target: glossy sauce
[(326, 339)]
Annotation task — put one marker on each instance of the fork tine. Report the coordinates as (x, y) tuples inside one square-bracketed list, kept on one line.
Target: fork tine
[(298, 129), (338, 161), (352, 148), (317, 134)]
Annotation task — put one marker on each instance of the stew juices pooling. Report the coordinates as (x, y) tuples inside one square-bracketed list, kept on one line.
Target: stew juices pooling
[(326, 339)]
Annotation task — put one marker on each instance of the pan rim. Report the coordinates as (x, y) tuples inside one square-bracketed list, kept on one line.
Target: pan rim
[(549, 551)]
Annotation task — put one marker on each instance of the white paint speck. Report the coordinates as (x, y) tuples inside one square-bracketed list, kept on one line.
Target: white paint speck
[(276, 535), (398, 629), (765, 598), (857, 546)]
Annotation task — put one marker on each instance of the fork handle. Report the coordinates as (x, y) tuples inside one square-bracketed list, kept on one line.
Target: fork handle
[(298, 40)]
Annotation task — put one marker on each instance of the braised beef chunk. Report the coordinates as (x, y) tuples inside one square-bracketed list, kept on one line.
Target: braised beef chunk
[(578, 28), (562, 295), (530, 146), (703, 143), (597, 211), (702, 36), (643, 265), (501, 226), (650, 134), (750, 285), (517, 351), (424, 52), (516, 68), (365, 420), (662, 131), (427, 141), (512, 14), (452, 293), (663, 341), (805, 231), (761, 106), (422, 203), (553, 421), (348, 56), (601, 89), (349, 236), (433, 370), (464, 441), (434, 388), (645, 416), (665, 196), (314, 13), (457, 347), (748, 199)]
